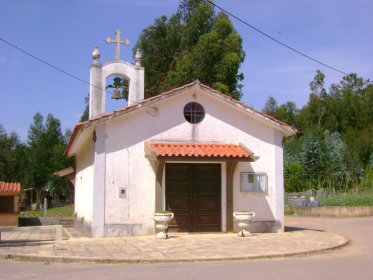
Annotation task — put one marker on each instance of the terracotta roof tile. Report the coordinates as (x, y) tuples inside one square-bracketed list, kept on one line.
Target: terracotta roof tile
[(6, 187), (200, 150)]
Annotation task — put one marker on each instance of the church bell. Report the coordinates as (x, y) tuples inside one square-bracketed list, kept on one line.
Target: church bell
[(116, 94)]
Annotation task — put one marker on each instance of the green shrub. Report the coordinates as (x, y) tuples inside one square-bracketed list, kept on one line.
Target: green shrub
[(293, 177), (289, 211), (349, 200)]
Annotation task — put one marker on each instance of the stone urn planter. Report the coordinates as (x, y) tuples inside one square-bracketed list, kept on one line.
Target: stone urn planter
[(244, 218), (161, 220)]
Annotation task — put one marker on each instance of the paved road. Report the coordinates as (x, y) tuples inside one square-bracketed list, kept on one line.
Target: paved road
[(352, 262)]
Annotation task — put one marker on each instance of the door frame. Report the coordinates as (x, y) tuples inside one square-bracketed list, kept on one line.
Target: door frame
[(223, 187)]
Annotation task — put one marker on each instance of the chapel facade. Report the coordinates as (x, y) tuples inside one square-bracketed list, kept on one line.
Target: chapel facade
[(191, 150)]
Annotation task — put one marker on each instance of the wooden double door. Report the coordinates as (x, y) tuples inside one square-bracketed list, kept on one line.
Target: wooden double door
[(193, 194)]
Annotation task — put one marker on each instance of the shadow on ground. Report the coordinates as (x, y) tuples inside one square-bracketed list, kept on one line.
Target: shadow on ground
[(25, 242), (292, 229)]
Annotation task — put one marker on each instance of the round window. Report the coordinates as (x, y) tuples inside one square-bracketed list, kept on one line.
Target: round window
[(194, 112)]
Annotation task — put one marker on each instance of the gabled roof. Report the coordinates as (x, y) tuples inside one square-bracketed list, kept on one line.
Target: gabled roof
[(10, 188), (284, 127)]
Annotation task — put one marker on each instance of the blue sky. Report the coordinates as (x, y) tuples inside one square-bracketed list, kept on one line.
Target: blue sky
[(337, 32)]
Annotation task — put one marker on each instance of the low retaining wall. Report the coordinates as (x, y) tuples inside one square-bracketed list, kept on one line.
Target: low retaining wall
[(40, 221), (334, 211), (56, 228), (9, 219)]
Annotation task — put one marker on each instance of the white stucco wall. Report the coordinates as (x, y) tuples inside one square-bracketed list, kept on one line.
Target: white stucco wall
[(225, 124), (127, 167), (83, 183)]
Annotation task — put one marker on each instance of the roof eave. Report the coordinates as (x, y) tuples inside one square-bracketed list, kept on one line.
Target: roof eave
[(70, 145), (285, 128), (205, 158)]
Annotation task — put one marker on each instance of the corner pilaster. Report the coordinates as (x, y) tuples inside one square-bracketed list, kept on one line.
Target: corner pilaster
[(96, 92), (231, 168), (279, 180), (99, 175)]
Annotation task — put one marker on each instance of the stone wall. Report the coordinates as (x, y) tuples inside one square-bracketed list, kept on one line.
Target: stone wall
[(333, 211)]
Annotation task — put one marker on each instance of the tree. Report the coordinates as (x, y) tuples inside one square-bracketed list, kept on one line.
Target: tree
[(312, 115), (336, 145), (317, 84), (334, 151), (194, 43), (46, 145), (312, 158), (85, 116), (294, 177), (11, 156), (285, 112), (271, 106), (352, 82)]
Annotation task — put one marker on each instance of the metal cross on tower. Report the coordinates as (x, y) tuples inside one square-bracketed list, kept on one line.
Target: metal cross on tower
[(117, 41)]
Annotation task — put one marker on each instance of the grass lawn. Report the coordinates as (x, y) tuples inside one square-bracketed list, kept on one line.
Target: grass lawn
[(349, 200), (65, 211)]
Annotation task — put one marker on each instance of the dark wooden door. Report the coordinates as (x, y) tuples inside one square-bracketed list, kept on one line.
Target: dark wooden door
[(193, 193)]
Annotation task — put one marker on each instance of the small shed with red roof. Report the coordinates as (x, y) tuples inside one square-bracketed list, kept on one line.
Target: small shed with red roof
[(9, 198)]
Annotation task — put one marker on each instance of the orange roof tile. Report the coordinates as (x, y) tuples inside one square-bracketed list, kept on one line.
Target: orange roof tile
[(200, 150), (6, 187)]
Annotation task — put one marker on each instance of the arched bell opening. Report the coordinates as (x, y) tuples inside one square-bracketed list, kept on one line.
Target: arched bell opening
[(116, 90), (114, 84)]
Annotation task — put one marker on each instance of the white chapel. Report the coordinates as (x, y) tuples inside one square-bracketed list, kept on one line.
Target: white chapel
[(191, 150)]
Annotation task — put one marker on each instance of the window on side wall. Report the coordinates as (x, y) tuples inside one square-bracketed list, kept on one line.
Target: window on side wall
[(253, 182)]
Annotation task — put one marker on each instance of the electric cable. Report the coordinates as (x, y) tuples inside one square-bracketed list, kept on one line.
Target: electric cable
[(54, 67), (277, 41)]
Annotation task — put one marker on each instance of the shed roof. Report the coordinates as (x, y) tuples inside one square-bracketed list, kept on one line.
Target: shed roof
[(10, 188), (200, 150)]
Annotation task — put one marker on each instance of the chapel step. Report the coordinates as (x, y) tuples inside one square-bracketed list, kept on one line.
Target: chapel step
[(67, 222)]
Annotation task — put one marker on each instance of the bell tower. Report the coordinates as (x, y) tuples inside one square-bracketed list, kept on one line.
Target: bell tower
[(133, 73)]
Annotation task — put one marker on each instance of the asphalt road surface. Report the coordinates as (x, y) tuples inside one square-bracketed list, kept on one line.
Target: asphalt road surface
[(353, 262)]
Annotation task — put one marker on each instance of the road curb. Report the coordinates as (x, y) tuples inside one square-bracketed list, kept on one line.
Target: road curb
[(52, 259)]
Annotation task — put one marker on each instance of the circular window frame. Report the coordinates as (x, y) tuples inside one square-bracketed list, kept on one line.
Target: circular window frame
[(194, 112)]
